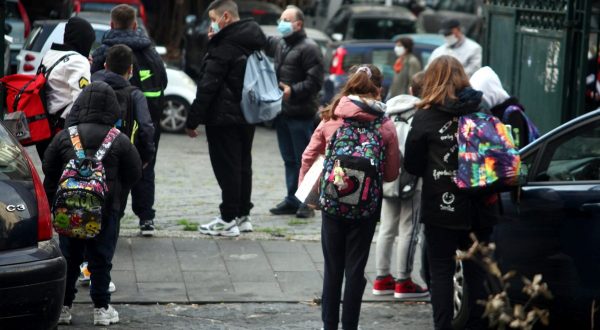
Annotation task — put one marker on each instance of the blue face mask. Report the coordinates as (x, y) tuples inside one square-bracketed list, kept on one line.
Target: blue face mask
[(215, 25), (285, 28)]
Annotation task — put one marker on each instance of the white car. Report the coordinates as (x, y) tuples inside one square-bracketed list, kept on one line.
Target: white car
[(179, 94)]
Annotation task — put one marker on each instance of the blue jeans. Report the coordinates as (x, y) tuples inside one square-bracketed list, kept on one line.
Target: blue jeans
[(293, 136)]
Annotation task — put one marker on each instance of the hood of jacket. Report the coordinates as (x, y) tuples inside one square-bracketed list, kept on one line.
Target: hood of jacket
[(97, 104), (467, 101), (488, 82), (135, 39), (245, 33), (360, 109), (400, 104), (115, 81)]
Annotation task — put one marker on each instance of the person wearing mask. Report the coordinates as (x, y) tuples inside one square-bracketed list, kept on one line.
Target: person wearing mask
[(449, 215), (465, 50), (300, 71), (70, 75), (149, 75), (217, 106), (405, 67)]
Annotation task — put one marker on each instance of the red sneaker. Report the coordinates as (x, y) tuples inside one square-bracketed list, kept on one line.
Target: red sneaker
[(383, 285), (407, 289)]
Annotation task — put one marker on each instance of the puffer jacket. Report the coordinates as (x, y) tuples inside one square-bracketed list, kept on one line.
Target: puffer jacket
[(299, 64), (347, 108), (97, 110), (432, 153), (221, 79), (149, 74)]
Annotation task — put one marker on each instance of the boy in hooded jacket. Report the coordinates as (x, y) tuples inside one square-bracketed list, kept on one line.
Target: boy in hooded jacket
[(346, 243), (97, 112)]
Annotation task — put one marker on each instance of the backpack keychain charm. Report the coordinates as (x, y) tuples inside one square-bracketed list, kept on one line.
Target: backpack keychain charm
[(338, 176)]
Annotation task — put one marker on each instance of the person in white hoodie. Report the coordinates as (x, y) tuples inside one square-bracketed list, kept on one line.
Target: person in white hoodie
[(400, 210), (70, 73)]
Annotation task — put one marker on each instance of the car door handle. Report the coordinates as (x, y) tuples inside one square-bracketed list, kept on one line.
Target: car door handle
[(590, 207)]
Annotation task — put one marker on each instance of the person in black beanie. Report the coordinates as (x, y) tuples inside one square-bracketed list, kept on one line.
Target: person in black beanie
[(71, 72)]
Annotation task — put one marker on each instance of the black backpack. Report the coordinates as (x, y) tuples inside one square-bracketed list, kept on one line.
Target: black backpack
[(126, 123), (148, 76)]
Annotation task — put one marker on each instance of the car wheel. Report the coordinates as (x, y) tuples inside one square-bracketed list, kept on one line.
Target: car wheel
[(461, 311), (174, 114)]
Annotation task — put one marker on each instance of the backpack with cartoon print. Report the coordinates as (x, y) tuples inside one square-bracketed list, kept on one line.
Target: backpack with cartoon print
[(351, 185), (79, 200)]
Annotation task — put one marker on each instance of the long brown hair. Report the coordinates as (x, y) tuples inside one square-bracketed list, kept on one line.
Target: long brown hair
[(364, 80), (444, 78)]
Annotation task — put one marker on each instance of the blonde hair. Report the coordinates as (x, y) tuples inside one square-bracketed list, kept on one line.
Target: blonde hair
[(444, 78), (363, 80)]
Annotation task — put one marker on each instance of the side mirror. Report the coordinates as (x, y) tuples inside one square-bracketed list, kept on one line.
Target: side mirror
[(190, 19), (161, 50), (7, 28), (337, 36)]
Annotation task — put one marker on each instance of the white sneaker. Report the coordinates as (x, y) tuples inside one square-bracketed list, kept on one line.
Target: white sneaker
[(65, 316), (105, 316), (111, 287), (218, 227), (84, 276), (244, 224)]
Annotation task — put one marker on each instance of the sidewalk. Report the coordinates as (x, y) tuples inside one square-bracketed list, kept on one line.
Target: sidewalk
[(199, 271)]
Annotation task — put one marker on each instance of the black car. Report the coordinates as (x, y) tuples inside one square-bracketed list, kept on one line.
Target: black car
[(196, 31), (32, 268), (468, 12), (551, 224)]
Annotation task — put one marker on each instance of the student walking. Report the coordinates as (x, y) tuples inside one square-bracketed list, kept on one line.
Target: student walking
[(351, 197)]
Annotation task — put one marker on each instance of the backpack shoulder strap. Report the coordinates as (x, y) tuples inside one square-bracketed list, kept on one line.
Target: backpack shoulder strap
[(76, 142), (106, 143), (47, 72)]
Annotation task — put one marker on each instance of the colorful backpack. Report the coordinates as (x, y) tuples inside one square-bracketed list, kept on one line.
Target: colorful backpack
[(487, 157), (532, 131), (79, 200), (351, 185)]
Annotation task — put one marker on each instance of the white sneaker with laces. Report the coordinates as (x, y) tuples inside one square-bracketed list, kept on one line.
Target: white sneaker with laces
[(105, 316), (244, 224), (111, 287), (218, 227), (65, 316)]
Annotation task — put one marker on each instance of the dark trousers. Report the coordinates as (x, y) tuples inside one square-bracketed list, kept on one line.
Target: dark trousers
[(293, 136), (142, 193), (230, 150), (346, 246), (99, 252), (442, 244)]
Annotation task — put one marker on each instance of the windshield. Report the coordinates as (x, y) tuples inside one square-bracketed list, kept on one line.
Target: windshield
[(464, 6), (103, 7), (376, 28)]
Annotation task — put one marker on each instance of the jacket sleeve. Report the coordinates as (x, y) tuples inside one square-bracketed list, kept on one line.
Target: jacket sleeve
[(271, 45), (78, 76), (98, 59), (130, 164), (145, 142), (416, 148), (413, 68), (392, 152), (312, 64), (315, 147), (473, 61), (215, 69), (53, 165)]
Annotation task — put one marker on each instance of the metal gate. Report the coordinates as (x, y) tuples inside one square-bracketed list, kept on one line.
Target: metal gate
[(539, 48)]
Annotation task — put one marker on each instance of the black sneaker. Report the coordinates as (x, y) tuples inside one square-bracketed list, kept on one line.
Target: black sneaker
[(305, 212), (147, 228), (284, 208)]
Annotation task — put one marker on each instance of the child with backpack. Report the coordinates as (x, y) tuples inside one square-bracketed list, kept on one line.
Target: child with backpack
[(448, 213), (97, 162), (361, 151), (400, 210)]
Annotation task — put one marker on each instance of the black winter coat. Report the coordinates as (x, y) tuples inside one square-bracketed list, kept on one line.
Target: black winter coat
[(221, 78), (432, 153), (97, 110), (145, 59), (298, 63)]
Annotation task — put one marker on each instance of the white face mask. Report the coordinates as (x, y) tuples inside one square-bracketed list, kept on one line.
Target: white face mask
[(399, 50), (451, 40)]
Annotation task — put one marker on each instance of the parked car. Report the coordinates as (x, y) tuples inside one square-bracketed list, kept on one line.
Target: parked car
[(468, 12), (369, 22), (20, 26), (551, 224), (32, 268), (180, 91), (196, 31), (107, 5)]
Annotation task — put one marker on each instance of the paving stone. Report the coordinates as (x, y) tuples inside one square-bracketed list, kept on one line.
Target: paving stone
[(236, 249), (282, 262), (207, 246), (246, 272), (308, 284), (207, 282), (282, 247), (199, 261), (253, 290), (315, 251), (163, 292)]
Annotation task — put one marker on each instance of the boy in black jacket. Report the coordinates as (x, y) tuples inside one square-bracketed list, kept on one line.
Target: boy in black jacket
[(97, 111)]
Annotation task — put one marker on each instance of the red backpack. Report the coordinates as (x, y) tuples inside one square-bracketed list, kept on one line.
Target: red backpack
[(26, 93)]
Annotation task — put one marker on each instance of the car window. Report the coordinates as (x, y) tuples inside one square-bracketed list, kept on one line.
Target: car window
[(352, 59), (376, 28), (103, 7), (572, 157), (384, 60), (465, 6), (13, 165), (37, 38), (12, 10), (339, 22), (261, 17)]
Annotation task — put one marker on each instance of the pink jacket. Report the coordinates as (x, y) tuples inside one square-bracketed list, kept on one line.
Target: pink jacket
[(323, 133)]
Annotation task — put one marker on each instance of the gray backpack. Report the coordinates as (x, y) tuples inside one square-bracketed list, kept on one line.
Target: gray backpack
[(261, 96)]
